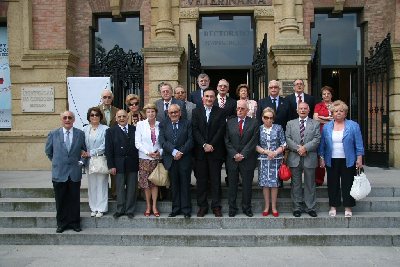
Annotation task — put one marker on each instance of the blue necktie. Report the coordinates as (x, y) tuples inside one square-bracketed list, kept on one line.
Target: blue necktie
[(175, 131), (67, 141)]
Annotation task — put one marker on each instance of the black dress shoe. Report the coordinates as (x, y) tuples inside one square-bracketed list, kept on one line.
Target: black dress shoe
[(60, 229), (187, 216), (232, 214), (312, 213), (173, 214), (202, 212), (77, 228), (130, 215), (117, 215), (296, 213), (217, 212), (248, 213)]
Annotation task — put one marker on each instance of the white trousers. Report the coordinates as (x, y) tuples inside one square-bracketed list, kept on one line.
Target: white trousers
[(98, 192)]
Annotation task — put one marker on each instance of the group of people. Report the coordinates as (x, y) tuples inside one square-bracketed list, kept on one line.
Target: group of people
[(201, 134)]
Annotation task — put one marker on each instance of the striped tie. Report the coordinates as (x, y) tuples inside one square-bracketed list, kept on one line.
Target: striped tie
[(302, 128), (222, 104)]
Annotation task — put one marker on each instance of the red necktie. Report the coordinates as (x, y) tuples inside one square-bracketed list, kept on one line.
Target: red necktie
[(241, 127), (222, 104), (300, 100)]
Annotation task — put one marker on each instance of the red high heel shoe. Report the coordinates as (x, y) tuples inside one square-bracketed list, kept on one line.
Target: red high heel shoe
[(265, 213), (156, 213), (147, 213), (275, 214)]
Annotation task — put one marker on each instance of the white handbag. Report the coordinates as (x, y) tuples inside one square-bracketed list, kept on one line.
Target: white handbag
[(98, 164), (361, 186)]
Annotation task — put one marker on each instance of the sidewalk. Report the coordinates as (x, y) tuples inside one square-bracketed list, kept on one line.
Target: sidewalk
[(378, 177)]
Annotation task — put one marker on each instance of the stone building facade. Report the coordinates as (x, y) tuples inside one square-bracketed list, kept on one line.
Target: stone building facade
[(50, 40)]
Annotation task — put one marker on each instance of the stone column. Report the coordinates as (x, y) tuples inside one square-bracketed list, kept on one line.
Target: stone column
[(163, 55), (394, 108)]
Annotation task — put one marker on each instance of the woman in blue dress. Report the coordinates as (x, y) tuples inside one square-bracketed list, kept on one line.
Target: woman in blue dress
[(271, 147)]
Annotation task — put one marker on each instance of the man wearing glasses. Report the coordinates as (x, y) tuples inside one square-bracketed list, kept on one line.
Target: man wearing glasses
[(297, 97), (167, 100), (180, 93), (107, 109), (64, 148), (276, 102), (109, 113)]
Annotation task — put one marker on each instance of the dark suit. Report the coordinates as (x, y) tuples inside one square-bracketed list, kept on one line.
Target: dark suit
[(230, 107), (66, 175), (161, 114), (292, 103), (123, 155), (195, 97), (208, 165), (244, 144), (179, 170), (281, 113)]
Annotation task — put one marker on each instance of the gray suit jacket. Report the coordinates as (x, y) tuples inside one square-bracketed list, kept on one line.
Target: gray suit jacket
[(189, 108), (65, 164), (160, 107), (312, 138), (245, 144)]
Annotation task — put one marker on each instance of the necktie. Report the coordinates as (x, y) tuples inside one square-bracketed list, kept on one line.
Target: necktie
[(302, 128), (274, 103), (241, 127), (67, 141), (222, 103), (125, 130), (166, 110), (299, 99), (174, 131)]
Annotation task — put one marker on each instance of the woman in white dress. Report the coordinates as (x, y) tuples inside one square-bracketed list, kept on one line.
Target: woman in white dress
[(97, 182)]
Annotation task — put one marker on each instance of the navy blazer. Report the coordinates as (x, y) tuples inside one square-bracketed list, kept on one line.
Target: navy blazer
[(184, 142), (281, 114), (211, 132), (195, 97), (161, 115), (292, 101), (65, 164), (121, 151)]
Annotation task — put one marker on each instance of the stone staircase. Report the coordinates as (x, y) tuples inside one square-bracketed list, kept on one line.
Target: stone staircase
[(27, 217)]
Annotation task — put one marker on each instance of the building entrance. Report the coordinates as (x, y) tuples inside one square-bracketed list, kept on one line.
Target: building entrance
[(233, 76)]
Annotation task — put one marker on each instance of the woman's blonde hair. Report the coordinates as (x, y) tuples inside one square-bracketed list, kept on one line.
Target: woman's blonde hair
[(131, 97), (150, 106), (268, 109), (339, 104)]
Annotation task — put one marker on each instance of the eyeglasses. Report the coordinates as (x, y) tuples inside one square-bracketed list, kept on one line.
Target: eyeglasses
[(173, 112), (133, 104), (180, 92), (94, 115), (268, 118), (121, 116), (68, 118), (107, 97), (222, 85)]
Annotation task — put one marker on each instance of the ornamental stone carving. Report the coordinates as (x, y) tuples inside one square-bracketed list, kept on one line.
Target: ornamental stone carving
[(189, 13), (263, 12)]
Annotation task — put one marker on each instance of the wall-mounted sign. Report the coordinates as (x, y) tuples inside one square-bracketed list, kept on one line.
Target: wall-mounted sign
[(37, 99), (287, 88), (199, 3), (5, 82)]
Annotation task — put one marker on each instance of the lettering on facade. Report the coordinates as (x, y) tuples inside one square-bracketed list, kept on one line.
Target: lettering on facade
[(225, 38), (198, 3), (287, 87), (37, 99)]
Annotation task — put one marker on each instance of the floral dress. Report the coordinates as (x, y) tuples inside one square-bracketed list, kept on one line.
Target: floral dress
[(270, 139)]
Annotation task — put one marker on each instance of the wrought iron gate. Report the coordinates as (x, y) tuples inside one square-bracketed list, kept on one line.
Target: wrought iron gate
[(376, 121), (193, 66), (316, 80), (126, 72), (260, 70)]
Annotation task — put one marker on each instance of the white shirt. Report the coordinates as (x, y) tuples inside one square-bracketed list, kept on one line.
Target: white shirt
[(208, 111), (71, 133), (124, 127), (305, 121), (337, 145), (297, 98), (219, 100)]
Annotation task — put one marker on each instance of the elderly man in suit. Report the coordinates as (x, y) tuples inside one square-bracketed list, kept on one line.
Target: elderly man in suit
[(297, 97), (276, 102), (64, 147), (180, 94), (167, 100), (241, 138), (226, 103), (123, 162), (208, 122), (176, 141), (302, 139), (196, 97), (108, 111)]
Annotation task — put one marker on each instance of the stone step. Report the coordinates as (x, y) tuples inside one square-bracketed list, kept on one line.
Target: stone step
[(204, 237), (284, 221), (369, 204), (257, 192)]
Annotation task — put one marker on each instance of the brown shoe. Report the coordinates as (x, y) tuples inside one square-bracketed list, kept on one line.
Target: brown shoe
[(202, 212), (217, 212)]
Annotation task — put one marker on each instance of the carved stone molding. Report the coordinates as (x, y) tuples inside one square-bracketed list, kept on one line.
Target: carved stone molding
[(260, 12), (189, 13), (338, 7), (115, 6)]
